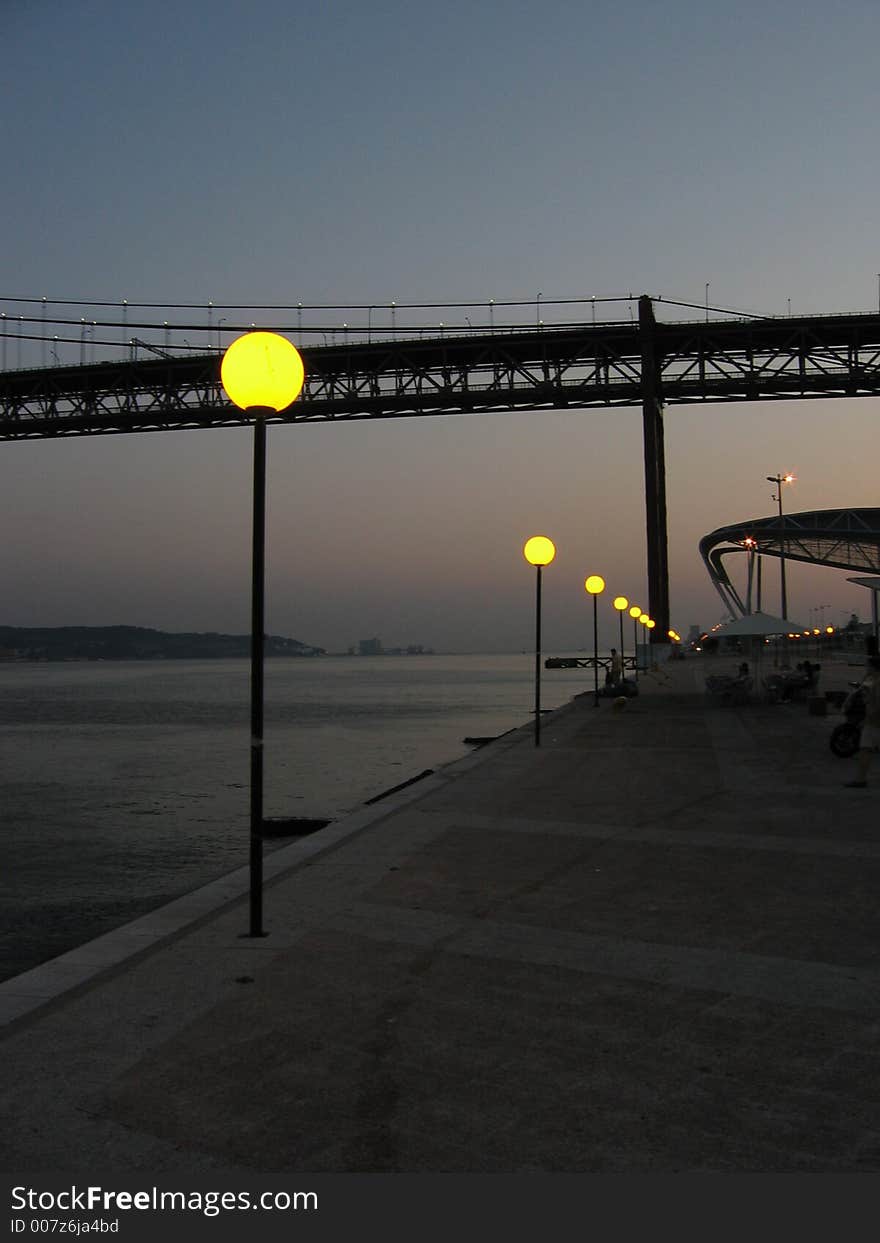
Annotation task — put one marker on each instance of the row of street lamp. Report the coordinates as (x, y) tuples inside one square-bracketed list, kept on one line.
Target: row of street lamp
[(262, 373), (539, 551)]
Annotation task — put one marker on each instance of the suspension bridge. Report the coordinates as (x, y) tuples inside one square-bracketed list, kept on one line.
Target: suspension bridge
[(117, 372)]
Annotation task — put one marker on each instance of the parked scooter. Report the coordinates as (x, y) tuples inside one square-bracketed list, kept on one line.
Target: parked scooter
[(846, 736)]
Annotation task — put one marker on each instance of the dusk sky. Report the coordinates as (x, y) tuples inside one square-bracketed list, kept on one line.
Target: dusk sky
[(351, 152)]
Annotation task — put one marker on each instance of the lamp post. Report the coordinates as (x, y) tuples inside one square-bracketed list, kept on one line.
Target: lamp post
[(621, 604), (595, 585), (261, 373), (644, 620), (538, 551), (750, 544), (635, 613), (650, 624), (779, 480)]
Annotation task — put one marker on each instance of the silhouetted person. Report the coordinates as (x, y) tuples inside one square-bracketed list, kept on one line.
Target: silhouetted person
[(869, 743)]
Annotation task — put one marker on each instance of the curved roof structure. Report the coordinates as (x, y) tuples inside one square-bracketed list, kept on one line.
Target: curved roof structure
[(844, 539)]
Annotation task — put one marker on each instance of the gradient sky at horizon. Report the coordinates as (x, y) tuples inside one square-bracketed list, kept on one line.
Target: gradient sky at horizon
[(352, 153)]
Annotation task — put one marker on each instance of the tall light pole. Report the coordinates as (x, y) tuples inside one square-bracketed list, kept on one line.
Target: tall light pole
[(594, 586), (644, 620), (262, 373), (779, 480), (750, 545), (538, 551), (635, 613), (621, 604)]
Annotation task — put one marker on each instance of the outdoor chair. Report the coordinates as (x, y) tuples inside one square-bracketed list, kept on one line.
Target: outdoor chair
[(727, 689)]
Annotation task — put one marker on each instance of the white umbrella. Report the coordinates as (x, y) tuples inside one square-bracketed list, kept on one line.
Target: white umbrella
[(756, 626)]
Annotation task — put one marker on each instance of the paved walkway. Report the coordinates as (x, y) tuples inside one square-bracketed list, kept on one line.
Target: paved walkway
[(653, 944)]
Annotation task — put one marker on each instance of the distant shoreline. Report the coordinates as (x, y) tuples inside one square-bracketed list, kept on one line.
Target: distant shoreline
[(36, 644)]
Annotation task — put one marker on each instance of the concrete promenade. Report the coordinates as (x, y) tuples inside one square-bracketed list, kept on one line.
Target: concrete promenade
[(651, 945)]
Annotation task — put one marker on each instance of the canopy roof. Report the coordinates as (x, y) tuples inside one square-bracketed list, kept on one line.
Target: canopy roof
[(846, 539), (757, 625)]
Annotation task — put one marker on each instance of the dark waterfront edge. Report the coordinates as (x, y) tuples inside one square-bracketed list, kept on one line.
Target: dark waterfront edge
[(31, 991)]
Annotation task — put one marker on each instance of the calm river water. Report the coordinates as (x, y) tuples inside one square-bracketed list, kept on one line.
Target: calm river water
[(124, 784)]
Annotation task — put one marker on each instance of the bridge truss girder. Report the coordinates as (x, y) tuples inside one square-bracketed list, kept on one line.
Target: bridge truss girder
[(575, 366), (358, 381), (578, 366)]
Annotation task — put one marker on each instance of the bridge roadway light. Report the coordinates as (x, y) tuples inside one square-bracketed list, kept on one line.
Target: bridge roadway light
[(262, 373), (538, 551), (594, 586)]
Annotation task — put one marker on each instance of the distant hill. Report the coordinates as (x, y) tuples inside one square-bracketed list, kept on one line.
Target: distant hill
[(134, 643)]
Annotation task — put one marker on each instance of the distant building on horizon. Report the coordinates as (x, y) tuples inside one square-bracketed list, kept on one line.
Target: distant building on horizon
[(373, 647)]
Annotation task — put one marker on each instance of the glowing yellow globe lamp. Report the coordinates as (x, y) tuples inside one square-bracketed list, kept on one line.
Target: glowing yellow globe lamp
[(621, 604), (539, 550), (650, 623), (594, 586), (829, 630), (644, 620), (635, 613), (262, 371)]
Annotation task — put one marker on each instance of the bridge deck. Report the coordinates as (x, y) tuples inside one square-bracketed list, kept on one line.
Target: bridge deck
[(573, 366)]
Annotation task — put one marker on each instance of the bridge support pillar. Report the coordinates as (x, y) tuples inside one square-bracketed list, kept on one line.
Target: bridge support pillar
[(655, 475)]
